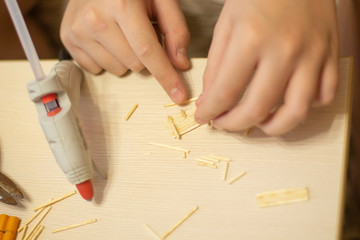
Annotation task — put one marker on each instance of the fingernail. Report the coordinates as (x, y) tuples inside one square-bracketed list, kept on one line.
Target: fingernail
[(176, 95), (182, 55)]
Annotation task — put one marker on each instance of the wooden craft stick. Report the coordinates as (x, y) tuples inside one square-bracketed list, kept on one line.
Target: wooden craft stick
[(226, 170), (55, 201), (38, 223), (131, 112), (180, 222), (25, 228), (74, 226), (185, 102), (284, 196), (153, 231), (237, 177), (169, 147)]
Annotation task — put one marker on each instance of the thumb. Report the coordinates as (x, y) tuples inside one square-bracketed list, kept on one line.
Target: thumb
[(173, 26)]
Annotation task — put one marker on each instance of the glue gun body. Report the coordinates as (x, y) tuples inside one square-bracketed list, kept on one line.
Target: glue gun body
[(56, 100)]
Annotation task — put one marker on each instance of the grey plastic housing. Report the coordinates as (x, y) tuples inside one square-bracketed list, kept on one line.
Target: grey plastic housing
[(62, 131)]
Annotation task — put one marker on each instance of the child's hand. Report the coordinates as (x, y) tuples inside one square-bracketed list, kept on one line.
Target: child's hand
[(117, 35), (287, 51)]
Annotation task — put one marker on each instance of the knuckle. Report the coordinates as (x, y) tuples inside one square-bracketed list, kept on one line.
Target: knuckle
[(227, 97), (94, 20), (136, 66), (253, 34), (65, 35), (291, 45), (145, 49), (297, 112), (257, 114), (328, 99), (118, 70), (272, 132), (95, 70), (182, 33), (318, 45)]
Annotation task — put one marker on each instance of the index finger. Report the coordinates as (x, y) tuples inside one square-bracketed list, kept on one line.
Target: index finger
[(144, 42)]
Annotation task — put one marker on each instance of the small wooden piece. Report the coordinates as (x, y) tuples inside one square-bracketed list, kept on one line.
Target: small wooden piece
[(131, 112), (180, 222), (284, 196), (200, 163), (247, 131), (206, 161), (55, 201), (226, 170), (237, 177), (75, 225)]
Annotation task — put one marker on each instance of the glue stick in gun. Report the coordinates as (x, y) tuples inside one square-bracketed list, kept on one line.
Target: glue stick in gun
[(56, 97)]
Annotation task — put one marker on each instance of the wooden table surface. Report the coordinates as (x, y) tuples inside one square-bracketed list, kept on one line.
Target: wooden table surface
[(150, 185)]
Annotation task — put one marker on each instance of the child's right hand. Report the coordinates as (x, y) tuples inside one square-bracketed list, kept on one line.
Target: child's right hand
[(117, 35)]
